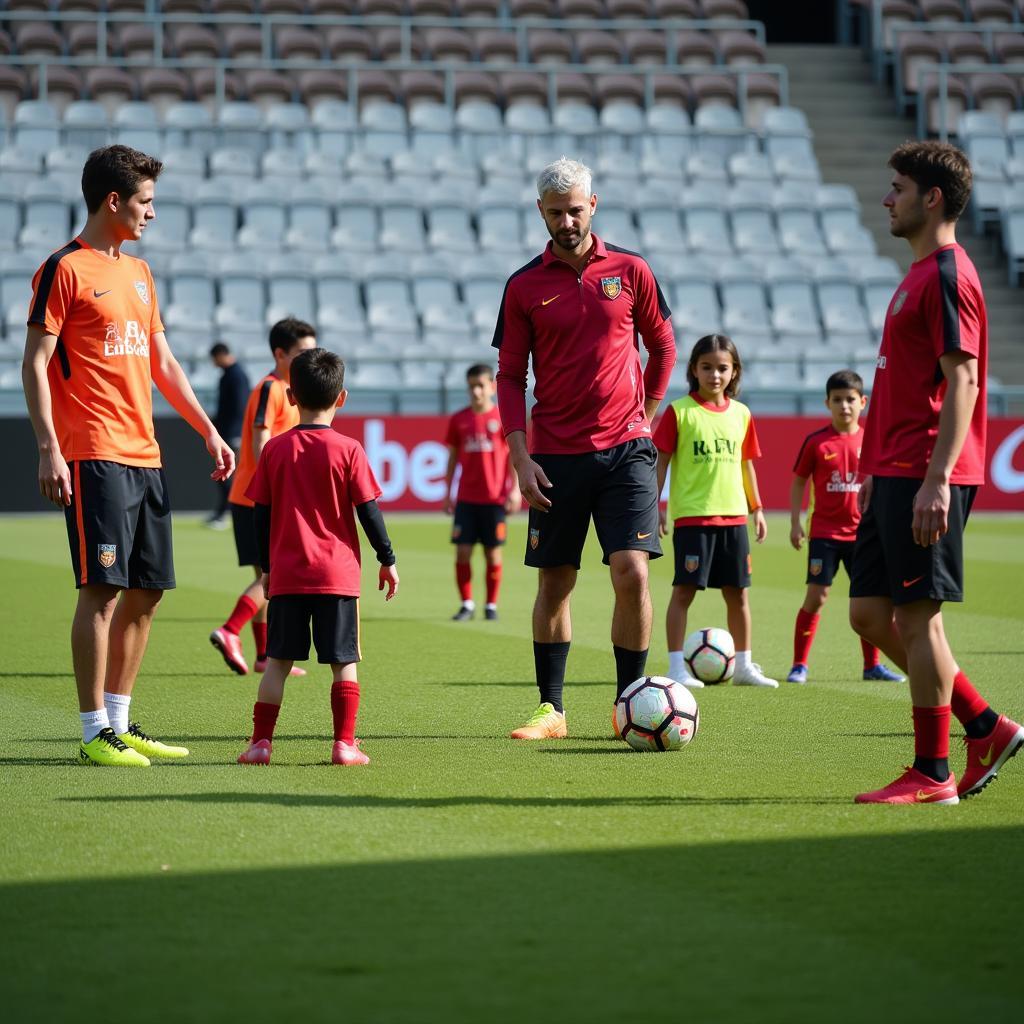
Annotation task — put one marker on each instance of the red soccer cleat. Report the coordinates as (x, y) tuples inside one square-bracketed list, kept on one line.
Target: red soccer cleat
[(257, 753), (986, 756), (260, 666), (348, 754), (912, 788), (230, 648)]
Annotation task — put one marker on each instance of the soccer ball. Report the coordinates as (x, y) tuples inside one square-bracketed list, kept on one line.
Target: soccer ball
[(656, 713), (710, 655)]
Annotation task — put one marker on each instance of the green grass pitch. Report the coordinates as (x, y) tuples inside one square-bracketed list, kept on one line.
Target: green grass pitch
[(463, 876)]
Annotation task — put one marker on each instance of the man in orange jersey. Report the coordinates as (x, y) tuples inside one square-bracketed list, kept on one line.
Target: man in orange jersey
[(95, 309), (267, 414)]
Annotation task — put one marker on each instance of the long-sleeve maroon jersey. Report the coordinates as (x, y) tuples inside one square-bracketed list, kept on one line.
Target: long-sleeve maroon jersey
[(581, 331)]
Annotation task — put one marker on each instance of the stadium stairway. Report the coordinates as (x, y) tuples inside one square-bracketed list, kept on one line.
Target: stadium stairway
[(855, 126)]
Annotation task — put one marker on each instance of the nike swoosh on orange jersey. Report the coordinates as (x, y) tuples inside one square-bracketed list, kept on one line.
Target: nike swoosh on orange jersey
[(830, 455), (545, 302), (987, 759), (99, 295), (642, 536), (916, 579)]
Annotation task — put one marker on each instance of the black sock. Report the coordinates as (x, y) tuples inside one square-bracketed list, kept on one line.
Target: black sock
[(978, 728), (936, 768), (629, 666), (549, 661)]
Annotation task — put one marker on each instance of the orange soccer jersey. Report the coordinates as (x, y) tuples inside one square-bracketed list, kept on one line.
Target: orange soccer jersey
[(268, 406), (103, 312)]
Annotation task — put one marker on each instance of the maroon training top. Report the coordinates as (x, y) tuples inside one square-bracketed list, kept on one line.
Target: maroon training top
[(581, 330)]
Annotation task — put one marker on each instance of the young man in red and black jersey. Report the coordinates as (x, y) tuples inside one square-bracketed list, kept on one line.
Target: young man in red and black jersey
[(924, 457), (830, 459), (576, 312)]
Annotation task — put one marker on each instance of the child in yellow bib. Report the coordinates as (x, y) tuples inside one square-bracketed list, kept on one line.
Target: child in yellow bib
[(709, 440)]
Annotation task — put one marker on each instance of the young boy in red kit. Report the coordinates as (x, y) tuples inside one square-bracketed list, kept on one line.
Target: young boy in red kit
[(830, 459), (487, 489), (310, 484)]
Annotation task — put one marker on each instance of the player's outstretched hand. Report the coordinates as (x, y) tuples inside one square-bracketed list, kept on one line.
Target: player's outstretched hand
[(223, 457), (931, 513), (760, 526), (388, 577), (265, 584), (531, 480), (796, 535), (54, 478), (864, 495)]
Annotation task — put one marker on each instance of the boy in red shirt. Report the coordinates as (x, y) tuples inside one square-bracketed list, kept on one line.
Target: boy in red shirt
[(487, 489), (830, 458), (310, 484)]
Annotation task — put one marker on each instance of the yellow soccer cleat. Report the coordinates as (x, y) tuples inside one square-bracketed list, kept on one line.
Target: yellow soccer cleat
[(146, 745), (107, 749), (544, 724)]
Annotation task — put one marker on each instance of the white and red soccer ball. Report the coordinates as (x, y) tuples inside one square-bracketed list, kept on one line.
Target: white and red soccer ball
[(710, 655), (656, 713)]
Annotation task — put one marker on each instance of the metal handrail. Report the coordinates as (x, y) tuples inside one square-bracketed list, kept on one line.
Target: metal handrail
[(449, 69)]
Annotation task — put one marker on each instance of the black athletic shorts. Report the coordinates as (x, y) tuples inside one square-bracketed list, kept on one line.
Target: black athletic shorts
[(335, 623), (243, 523), (618, 487), (479, 524), (824, 557), (119, 526), (711, 556), (887, 562)]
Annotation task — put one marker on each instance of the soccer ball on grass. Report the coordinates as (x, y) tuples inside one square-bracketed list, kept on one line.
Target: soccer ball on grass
[(656, 713), (710, 655)]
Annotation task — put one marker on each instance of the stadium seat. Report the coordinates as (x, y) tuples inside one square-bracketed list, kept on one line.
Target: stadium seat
[(356, 228), (36, 126), (706, 227), (85, 123), (136, 124), (189, 125)]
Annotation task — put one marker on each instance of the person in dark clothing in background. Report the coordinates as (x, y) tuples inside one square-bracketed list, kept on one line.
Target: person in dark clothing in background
[(232, 394)]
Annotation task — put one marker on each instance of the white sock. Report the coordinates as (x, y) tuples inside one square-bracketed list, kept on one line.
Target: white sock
[(117, 711), (742, 661), (491, 606), (92, 723), (471, 605), (676, 664)]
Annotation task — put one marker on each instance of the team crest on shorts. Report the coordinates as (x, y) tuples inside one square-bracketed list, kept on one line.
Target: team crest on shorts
[(815, 567), (611, 286), (143, 289), (499, 531), (897, 303), (691, 563), (534, 539), (106, 554)]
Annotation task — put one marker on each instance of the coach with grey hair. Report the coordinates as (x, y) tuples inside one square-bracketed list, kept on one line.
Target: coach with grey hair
[(576, 311)]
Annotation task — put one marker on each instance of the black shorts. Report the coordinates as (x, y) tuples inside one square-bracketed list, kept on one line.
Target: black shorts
[(479, 524), (711, 556), (887, 562), (243, 523), (119, 526), (335, 628), (824, 557), (618, 487)]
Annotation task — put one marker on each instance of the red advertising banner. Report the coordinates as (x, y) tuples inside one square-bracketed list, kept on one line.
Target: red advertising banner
[(409, 457)]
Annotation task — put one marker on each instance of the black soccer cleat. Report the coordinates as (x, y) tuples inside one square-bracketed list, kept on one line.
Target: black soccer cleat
[(491, 614), (464, 614)]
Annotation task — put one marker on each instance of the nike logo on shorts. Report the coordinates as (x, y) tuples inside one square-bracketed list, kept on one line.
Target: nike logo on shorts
[(916, 579), (642, 536)]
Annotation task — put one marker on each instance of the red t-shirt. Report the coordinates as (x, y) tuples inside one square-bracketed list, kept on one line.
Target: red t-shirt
[(312, 478), (832, 461), (580, 330), (482, 455), (938, 308)]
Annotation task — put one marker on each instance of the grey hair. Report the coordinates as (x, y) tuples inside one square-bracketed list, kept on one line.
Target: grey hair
[(563, 176)]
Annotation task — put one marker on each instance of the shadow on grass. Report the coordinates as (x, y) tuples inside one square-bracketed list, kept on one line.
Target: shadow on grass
[(278, 737), (766, 931)]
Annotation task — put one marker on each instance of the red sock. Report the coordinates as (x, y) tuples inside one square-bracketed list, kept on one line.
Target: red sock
[(344, 707), (871, 654), (264, 718), (493, 583), (966, 702), (464, 577), (245, 609), (931, 731), (259, 633), (803, 635)]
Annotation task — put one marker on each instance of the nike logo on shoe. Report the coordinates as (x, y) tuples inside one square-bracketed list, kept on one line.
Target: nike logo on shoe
[(99, 295), (922, 797), (916, 579), (987, 759)]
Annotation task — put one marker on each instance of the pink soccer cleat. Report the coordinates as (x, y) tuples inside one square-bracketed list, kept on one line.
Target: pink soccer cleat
[(260, 666), (912, 787), (230, 648), (258, 752), (348, 753), (986, 756)]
